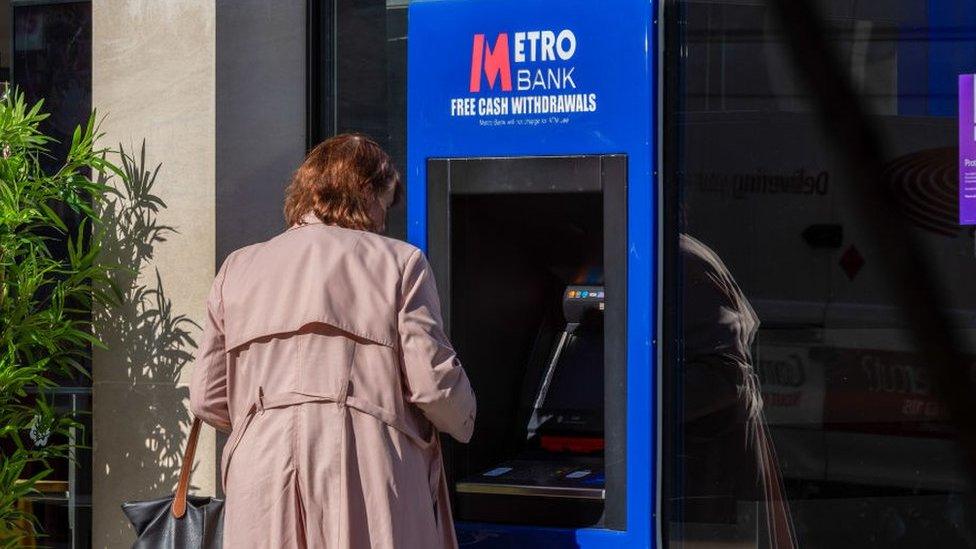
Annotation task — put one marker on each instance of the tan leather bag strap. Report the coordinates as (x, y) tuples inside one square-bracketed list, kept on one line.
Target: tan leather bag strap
[(179, 499)]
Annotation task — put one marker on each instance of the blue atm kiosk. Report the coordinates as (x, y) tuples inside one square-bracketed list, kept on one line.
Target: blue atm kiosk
[(532, 187)]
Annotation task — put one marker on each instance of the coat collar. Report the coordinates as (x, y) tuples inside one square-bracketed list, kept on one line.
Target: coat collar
[(307, 219)]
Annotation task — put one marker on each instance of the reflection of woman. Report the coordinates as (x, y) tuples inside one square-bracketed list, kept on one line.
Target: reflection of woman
[(729, 456), (324, 356)]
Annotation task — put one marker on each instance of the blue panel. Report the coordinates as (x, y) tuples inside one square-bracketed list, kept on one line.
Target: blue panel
[(613, 68), (952, 51), (913, 66)]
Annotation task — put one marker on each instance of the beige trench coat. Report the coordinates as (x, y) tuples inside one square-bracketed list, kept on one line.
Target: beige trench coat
[(324, 356)]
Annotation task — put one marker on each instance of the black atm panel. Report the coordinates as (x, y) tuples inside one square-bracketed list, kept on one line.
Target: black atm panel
[(568, 401), (530, 259)]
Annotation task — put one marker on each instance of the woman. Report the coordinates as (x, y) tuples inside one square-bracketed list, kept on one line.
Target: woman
[(324, 357)]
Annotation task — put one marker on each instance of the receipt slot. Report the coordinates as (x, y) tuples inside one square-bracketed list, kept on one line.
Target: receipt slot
[(530, 184)]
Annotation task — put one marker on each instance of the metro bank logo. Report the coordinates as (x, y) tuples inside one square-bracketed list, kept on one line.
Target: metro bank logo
[(514, 75), (494, 63)]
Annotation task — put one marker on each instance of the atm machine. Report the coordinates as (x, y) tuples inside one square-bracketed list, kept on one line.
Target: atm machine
[(531, 185)]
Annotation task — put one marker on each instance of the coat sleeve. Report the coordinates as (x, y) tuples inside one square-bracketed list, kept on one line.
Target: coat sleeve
[(208, 385), (434, 378)]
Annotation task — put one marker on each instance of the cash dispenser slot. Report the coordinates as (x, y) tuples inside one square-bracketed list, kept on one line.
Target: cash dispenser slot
[(530, 258)]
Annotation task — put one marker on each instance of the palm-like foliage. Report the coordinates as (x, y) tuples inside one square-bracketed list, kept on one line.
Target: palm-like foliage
[(46, 294)]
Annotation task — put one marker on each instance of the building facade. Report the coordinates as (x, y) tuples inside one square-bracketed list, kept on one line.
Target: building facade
[(225, 97)]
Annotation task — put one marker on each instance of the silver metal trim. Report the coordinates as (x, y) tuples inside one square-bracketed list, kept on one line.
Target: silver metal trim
[(537, 420), (596, 494)]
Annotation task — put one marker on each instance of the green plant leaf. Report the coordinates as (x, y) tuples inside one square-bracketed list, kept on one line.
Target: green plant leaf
[(45, 295)]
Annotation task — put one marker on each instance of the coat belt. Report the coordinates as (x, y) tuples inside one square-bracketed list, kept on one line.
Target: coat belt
[(264, 403)]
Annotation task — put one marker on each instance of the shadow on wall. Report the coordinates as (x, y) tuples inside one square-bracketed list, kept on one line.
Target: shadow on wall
[(148, 346)]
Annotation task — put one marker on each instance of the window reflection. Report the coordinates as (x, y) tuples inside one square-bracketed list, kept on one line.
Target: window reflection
[(728, 460), (793, 320)]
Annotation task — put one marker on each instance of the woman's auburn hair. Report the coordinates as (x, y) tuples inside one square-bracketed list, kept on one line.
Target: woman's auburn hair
[(340, 181)]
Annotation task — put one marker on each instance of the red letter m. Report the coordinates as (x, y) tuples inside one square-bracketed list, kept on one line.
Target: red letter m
[(494, 60)]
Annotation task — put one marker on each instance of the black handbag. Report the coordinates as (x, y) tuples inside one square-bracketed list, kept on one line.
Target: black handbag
[(178, 521)]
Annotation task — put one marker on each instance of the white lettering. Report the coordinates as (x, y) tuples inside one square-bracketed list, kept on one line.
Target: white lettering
[(463, 107), (568, 78), (552, 80), (533, 37), (566, 44), (549, 104), (559, 78), (518, 105), (538, 81), (548, 45), (520, 47), (544, 45), (492, 106)]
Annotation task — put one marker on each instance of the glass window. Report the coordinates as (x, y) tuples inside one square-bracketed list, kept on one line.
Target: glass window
[(797, 400), (52, 61), (360, 78)]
